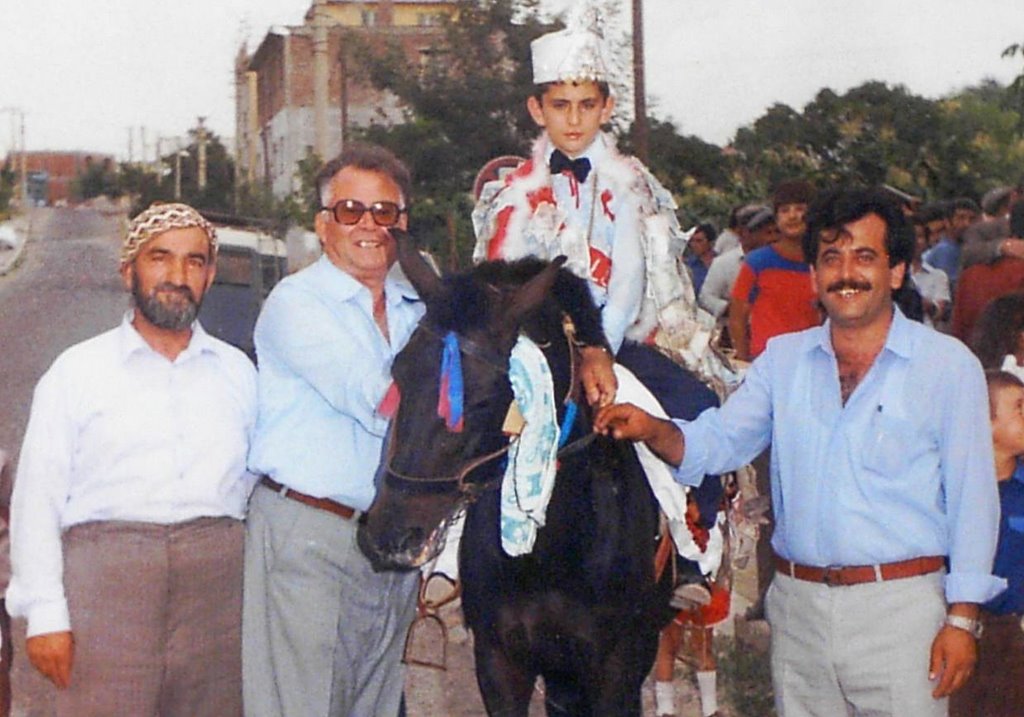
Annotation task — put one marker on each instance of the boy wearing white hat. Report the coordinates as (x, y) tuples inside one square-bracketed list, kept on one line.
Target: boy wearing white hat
[(580, 197)]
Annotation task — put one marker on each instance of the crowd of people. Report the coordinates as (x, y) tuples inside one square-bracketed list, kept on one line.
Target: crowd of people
[(183, 526)]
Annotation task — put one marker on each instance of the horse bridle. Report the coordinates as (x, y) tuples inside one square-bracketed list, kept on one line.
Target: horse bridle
[(471, 491)]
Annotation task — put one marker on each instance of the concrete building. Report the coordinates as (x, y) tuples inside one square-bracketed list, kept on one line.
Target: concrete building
[(302, 89)]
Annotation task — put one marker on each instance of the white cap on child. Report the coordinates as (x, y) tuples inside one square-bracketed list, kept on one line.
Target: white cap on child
[(575, 54)]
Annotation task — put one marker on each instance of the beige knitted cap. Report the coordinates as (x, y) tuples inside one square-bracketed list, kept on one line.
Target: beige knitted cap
[(158, 219)]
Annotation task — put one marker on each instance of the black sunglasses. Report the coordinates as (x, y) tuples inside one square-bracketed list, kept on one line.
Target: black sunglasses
[(350, 211)]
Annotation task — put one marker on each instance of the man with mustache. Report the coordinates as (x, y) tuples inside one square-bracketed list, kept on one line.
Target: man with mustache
[(127, 533), (882, 480)]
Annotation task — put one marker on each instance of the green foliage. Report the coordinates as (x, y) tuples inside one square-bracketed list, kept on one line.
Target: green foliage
[(140, 183), (744, 676), (467, 106), (8, 179), (300, 206), (217, 196), (1015, 92), (97, 179)]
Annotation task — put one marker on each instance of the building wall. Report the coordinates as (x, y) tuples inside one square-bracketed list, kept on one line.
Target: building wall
[(277, 80), (61, 168)]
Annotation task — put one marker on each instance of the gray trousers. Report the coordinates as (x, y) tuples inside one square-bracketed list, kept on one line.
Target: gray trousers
[(858, 650), (322, 633), (156, 617)]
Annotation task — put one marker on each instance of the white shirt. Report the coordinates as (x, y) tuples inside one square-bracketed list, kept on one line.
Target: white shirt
[(932, 284), (717, 288), (118, 432)]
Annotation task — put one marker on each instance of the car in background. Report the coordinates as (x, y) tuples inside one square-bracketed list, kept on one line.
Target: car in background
[(250, 261)]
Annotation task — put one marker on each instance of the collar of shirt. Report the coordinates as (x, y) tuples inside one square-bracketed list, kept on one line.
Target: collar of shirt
[(898, 341), (339, 285), (130, 341), (596, 152)]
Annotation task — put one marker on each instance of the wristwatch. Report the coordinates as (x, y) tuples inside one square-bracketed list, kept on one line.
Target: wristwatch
[(965, 623)]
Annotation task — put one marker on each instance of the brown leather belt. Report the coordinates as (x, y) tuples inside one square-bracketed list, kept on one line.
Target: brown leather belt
[(857, 574), (331, 506)]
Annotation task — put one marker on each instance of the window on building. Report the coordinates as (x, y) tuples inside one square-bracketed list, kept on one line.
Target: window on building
[(427, 19), (369, 18)]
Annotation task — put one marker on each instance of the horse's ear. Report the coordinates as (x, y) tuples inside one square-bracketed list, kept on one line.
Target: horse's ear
[(531, 294), (419, 272)]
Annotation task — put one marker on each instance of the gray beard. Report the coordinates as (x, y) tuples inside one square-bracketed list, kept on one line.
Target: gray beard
[(172, 317)]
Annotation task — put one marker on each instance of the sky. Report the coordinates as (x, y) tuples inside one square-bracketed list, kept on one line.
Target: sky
[(89, 74)]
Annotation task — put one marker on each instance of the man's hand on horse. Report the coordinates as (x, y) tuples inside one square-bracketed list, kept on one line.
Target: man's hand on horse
[(51, 653), (625, 421), (598, 375)]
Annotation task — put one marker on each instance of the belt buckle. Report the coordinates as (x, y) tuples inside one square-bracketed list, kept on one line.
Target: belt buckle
[(832, 576)]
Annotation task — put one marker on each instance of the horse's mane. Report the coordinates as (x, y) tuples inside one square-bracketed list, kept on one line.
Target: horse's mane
[(467, 299)]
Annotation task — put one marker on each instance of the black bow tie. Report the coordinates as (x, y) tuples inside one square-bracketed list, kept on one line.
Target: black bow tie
[(579, 167)]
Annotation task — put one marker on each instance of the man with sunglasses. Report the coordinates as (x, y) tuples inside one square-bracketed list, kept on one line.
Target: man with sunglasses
[(322, 632)]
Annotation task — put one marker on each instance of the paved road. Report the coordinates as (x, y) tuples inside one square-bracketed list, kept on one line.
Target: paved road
[(66, 290)]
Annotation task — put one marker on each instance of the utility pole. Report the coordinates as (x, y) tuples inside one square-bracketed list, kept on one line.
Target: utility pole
[(131, 142), (177, 173), (201, 139), (20, 158), (640, 144), (24, 163), (321, 78)]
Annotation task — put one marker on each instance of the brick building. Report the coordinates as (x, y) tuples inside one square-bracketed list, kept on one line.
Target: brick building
[(51, 174), (276, 89)]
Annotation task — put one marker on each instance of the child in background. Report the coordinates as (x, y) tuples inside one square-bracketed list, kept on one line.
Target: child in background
[(998, 337), (997, 687)]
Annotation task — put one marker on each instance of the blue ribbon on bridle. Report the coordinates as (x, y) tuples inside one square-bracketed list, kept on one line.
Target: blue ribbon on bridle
[(450, 396)]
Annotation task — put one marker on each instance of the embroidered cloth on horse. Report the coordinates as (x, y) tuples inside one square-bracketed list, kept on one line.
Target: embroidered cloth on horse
[(533, 456)]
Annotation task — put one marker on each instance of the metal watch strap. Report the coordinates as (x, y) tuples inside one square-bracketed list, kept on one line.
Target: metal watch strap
[(972, 626)]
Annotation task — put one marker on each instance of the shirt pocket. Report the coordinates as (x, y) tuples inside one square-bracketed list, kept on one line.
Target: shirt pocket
[(889, 445)]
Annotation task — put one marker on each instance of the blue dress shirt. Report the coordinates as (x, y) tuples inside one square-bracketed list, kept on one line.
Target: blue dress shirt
[(1010, 553), (945, 255), (324, 367), (904, 469)]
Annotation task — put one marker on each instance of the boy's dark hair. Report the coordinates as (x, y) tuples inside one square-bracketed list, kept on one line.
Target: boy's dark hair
[(541, 89), (998, 330), (835, 208), (997, 380), (370, 158), (936, 211), (792, 191), (708, 229), (966, 203)]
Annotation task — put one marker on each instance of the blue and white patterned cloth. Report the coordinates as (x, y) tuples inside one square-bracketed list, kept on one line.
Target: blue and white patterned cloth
[(532, 458)]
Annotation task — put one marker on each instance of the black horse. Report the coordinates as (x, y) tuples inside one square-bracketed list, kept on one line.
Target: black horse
[(584, 608)]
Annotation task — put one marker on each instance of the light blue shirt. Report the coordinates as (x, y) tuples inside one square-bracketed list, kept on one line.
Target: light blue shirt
[(903, 470), (324, 367)]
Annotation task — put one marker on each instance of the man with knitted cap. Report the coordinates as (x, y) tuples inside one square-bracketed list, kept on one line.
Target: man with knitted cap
[(126, 535)]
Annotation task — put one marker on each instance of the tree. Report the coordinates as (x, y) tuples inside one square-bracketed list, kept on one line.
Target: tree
[(467, 105), (8, 178), (1015, 92), (97, 179), (218, 194)]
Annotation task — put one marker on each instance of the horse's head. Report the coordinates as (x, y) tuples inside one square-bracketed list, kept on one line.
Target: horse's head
[(446, 443)]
